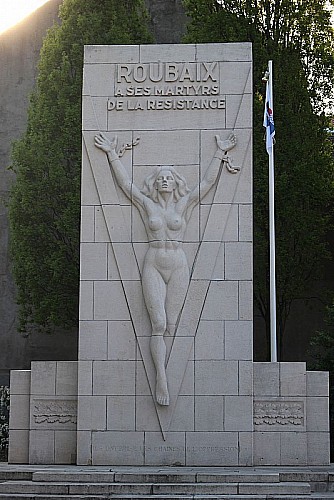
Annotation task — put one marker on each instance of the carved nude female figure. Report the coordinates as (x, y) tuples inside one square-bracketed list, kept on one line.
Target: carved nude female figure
[(165, 205)]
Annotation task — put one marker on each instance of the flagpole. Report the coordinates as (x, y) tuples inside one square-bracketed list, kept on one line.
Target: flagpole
[(272, 249)]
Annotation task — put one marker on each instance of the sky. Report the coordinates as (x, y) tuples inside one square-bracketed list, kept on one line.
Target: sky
[(13, 11)]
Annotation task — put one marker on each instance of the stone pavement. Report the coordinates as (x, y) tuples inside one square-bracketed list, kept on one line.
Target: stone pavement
[(35, 482)]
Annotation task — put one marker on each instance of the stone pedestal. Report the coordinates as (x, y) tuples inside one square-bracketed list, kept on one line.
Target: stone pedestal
[(166, 253)]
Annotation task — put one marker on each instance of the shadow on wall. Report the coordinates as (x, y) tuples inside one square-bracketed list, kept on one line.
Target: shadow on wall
[(168, 20)]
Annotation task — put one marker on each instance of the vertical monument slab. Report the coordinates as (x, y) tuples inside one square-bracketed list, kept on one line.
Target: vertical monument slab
[(165, 346)]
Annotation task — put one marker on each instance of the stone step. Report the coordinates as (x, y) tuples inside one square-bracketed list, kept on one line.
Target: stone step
[(15, 475), (281, 488), (68, 488), (33, 496), (130, 477), (238, 477), (235, 488)]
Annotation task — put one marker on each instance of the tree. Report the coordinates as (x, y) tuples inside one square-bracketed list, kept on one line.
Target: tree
[(44, 207), (298, 37), (322, 358)]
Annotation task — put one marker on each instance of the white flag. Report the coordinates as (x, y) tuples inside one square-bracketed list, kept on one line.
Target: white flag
[(268, 119)]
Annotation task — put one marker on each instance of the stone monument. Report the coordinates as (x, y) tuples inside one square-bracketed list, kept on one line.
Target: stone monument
[(165, 371)]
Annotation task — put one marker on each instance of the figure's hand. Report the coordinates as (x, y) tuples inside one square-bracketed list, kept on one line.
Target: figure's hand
[(228, 144), (103, 143)]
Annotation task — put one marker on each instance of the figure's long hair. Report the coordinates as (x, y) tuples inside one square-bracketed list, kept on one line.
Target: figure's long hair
[(149, 188)]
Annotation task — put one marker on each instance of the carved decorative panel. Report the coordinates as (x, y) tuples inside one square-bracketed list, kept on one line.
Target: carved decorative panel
[(55, 411), (280, 413)]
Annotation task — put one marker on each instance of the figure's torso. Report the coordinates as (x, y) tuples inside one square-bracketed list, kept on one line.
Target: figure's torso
[(164, 224)]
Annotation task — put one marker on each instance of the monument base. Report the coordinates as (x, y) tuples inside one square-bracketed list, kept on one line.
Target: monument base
[(284, 421)]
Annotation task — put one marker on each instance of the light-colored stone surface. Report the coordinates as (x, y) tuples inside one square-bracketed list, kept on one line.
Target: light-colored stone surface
[(267, 448), (246, 449), (121, 413), (43, 377), (94, 265), (118, 448), (209, 413), (19, 416), (246, 378), (85, 378), (317, 414), (245, 300), (239, 340), (92, 413), (221, 301), (238, 413), (84, 447), (20, 382), (245, 223), (18, 450), (171, 451), (65, 447), (217, 378), (41, 447), (318, 448), (109, 301), (238, 261), (66, 378), (86, 306), (209, 340), (293, 448), (93, 340), (115, 378), (266, 379), (204, 448), (121, 341), (293, 379), (317, 383)]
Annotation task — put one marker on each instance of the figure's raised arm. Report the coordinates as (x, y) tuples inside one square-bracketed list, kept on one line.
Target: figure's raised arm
[(212, 172), (117, 167)]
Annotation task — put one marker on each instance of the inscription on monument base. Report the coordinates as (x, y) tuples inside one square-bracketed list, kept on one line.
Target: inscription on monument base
[(167, 449)]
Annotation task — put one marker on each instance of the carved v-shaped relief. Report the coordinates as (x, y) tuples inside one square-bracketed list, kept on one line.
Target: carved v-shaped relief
[(202, 272)]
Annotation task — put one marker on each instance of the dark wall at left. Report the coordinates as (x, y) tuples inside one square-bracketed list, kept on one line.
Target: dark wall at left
[(19, 54)]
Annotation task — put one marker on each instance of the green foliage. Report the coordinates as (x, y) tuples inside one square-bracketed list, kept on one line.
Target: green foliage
[(4, 421), (321, 353), (298, 37), (44, 207), (322, 345)]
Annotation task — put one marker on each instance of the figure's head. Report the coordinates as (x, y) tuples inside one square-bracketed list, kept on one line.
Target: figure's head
[(165, 182), (165, 179)]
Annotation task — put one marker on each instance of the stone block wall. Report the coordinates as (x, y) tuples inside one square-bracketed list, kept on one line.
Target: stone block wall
[(43, 413), (288, 427), (19, 417), (291, 415)]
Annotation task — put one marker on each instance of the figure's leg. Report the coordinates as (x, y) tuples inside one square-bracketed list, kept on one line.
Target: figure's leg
[(158, 352), (176, 292), (154, 289)]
